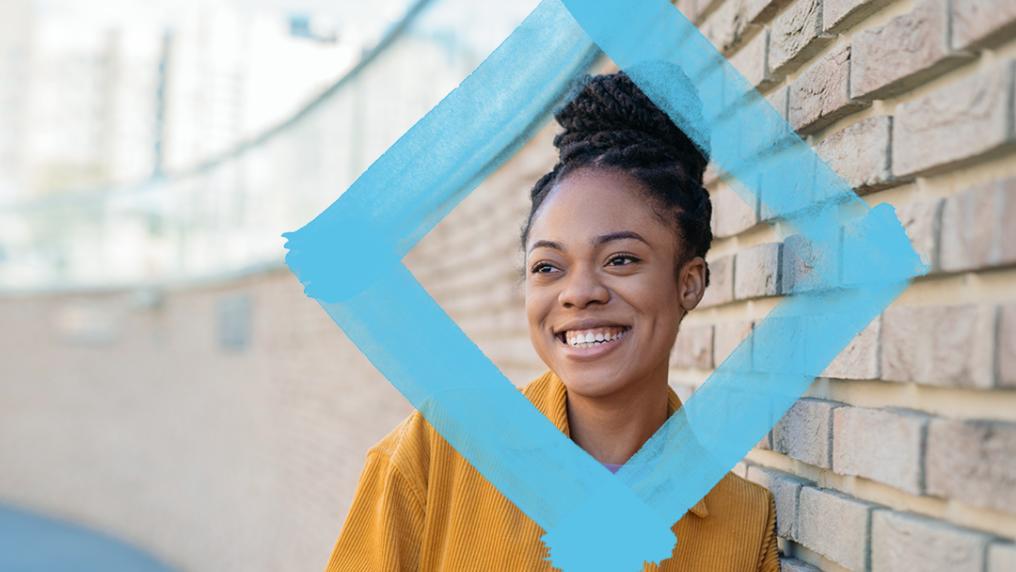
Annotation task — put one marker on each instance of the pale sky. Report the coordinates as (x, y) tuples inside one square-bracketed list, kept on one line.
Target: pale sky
[(372, 15)]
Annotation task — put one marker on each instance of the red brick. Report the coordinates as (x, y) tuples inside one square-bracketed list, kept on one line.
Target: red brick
[(839, 14), (820, 94), (1007, 346), (756, 11), (721, 282), (1002, 557), (905, 51), (902, 541), (805, 432), (694, 347), (860, 359), (774, 133), (977, 227), (973, 462), (772, 183), (778, 99), (728, 335), (757, 272), (740, 469), (954, 122), (795, 565), (786, 490), (922, 220), (795, 35), (750, 60), (880, 444), (726, 26), (690, 8), (948, 346), (731, 214), (980, 22), (799, 260), (835, 525), (711, 175), (859, 153)]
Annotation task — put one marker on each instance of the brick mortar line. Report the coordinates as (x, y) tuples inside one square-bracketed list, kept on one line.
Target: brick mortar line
[(922, 454), (814, 558), (973, 287), (889, 497), (983, 295), (911, 393), (996, 349), (949, 25), (868, 518), (1011, 102)]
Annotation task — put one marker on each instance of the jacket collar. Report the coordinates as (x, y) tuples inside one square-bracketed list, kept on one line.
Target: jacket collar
[(550, 396)]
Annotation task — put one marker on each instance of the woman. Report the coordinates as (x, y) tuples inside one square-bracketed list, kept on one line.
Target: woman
[(615, 245)]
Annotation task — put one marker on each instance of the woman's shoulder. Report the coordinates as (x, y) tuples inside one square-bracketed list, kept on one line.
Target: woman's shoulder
[(747, 506), (407, 447), (736, 491), (413, 445), (750, 510)]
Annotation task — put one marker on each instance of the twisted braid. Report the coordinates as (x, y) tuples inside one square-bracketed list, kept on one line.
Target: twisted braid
[(610, 123)]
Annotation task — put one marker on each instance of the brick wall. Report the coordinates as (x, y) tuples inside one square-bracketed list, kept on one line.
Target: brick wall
[(224, 426), (221, 428), (903, 455)]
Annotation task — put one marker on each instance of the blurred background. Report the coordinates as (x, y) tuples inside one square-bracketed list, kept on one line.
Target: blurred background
[(170, 399), (138, 134), (164, 383)]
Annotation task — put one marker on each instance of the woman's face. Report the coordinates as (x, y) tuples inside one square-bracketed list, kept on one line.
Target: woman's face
[(603, 296)]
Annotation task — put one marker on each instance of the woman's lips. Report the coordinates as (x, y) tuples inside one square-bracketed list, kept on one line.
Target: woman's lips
[(592, 352)]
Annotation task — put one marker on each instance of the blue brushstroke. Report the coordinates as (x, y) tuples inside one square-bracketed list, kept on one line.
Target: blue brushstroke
[(490, 423), (443, 374), (860, 261), (442, 158), (749, 140)]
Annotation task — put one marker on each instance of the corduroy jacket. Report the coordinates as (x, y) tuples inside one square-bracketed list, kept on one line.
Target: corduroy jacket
[(420, 505)]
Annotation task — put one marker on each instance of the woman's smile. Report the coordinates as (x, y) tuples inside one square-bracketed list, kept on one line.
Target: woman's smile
[(591, 343), (602, 297)]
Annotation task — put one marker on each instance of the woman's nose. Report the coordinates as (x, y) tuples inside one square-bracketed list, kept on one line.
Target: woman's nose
[(582, 287)]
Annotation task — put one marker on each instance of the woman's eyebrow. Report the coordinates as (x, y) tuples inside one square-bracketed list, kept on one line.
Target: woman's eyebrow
[(603, 238), (619, 235), (546, 244)]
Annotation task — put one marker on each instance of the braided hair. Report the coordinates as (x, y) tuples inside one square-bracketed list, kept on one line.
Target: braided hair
[(609, 123)]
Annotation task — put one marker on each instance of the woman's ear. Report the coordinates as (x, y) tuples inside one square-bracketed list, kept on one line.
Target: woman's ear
[(691, 283)]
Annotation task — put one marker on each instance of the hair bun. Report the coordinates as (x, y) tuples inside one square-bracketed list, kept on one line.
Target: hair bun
[(609, 122), (610, 111)]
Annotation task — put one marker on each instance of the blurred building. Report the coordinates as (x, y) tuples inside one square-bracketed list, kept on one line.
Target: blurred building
[(92, 99), (16, 27)]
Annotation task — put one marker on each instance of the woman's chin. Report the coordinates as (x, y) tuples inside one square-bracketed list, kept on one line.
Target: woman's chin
[(591, 386)]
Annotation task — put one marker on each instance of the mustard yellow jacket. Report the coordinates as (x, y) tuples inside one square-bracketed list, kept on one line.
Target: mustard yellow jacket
[(421, 506)]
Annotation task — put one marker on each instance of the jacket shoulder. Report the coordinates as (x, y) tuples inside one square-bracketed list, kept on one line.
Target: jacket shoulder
[(407, 447), (736, 496), (540, 391)]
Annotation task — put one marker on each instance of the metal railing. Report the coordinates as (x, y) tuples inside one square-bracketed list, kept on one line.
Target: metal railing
[(226, 216)]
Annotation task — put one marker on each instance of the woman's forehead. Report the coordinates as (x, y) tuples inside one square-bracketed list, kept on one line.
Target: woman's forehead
[(590, 203)]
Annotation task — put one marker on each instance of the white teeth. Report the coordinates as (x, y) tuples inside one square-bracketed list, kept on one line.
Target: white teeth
[(591, 338)]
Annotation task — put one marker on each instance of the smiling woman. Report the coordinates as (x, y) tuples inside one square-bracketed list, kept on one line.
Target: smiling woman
[(615, 245)]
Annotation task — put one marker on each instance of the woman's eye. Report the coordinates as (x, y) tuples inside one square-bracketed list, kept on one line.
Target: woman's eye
[(622, 257), (542, 268)]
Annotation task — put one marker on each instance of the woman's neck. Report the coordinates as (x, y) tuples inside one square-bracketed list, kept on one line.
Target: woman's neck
[(612, 428)]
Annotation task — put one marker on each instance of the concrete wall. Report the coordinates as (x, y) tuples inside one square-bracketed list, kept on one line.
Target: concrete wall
[(223, 426)]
